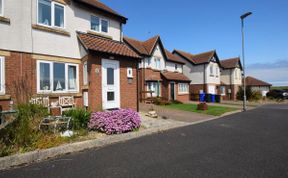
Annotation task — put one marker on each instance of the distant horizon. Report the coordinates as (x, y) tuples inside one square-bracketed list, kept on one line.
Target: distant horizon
[(199, 26)]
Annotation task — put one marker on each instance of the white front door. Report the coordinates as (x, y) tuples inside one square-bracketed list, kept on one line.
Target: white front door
[(110, 84), (211, 89)]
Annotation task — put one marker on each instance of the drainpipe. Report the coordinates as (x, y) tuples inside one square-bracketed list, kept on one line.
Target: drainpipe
[(137, 84), (205, 91)]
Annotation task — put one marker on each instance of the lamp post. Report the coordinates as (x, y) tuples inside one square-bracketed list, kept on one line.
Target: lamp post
[(242, 17)]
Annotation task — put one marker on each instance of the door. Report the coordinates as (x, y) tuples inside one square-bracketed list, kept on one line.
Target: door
[(211, 89), (172, 91), (110, 84)]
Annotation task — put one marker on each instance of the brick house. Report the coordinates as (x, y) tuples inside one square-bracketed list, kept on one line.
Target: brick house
[(159, 71), (66, 48), (202, 69), (231, 78)]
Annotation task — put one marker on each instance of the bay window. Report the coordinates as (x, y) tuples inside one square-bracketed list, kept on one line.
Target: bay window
[(2, 75), (57, 77), (155, 88), (183, 88), (99, 25), (1, 8), (51, 13)]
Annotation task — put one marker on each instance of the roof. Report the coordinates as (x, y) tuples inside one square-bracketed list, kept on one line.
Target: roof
[(104, 45), (173, 58), (143, 47), (153, 77), (251, 81), (175, 76), (230, 63), (200, 58), (102, 7)]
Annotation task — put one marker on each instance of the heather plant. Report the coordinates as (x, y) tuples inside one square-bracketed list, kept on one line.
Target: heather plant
[(115, 122)]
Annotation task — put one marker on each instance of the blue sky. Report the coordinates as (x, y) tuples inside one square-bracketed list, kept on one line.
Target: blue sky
[(199, 26)]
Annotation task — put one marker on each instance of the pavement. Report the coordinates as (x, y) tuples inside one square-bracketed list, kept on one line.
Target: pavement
[(248, 144)]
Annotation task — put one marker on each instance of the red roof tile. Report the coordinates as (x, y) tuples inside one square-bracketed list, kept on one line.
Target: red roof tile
[(251, 81), (100, 44), (99, 5), (175, 76), (142, 47), (200, 58), (173, 58), (230, 63)]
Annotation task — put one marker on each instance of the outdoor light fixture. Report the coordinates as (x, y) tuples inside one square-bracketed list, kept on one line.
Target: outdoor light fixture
[(242, 17)]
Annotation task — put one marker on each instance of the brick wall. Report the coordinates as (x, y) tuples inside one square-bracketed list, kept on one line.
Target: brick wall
[(128, 91), (184, 98)]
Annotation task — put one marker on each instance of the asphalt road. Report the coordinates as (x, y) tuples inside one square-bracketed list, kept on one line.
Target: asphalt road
[(250, 144)]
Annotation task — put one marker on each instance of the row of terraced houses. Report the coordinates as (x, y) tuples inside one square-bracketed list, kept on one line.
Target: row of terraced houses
[(76, 48)]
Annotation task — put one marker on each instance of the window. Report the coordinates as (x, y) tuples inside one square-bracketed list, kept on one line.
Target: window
[(110, 96), (95, 23), (222, 90), (110, 76), (183, 88), (1, 8), (57, 77), (99, 25), (211, 71), (176, 67), (157, 63), (149, 62), (85, 73), (217, 72), (51, 13), (85, 99), (129, 72), (2, 75), (104, 26), (155, 87), (236, 74)]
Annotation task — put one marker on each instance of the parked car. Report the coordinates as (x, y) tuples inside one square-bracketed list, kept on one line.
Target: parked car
[(278, 94)]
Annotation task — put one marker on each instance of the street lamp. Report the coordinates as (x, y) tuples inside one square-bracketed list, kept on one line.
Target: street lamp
[(242, 17)]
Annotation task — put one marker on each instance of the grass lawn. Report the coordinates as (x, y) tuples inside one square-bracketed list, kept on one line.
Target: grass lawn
[(212, 110)]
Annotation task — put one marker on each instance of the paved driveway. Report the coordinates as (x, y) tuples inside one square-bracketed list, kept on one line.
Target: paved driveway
[(250, 144)]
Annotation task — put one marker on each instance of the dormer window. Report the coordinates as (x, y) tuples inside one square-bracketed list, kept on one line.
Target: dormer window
[(51, 13), (99, 25), (1, 8)]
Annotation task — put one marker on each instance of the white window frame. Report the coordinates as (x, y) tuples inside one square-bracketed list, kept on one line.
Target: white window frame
[(53, 3), (52, 77), (2, 9), (157, 61), (222, 90), (129, 72), (85, 73), (2, 87), (153, 88), (100, 24), (211, 71), (217, 71), (183, 88)]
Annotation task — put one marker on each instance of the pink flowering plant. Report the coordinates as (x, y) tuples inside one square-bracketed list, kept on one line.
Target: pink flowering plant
[(115, 122)]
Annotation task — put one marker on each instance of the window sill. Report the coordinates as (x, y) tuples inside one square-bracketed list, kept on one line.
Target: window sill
[(5, 97), (64, 2), (85, 87), (55, 95), (99, 34), (4, 20), (183, 93), (51, 29)]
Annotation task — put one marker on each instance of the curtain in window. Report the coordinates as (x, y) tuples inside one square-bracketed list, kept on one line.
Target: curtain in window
[(59, 16), (95, 23), (44, 12), (59, 77), (72, 77), (44, 76)]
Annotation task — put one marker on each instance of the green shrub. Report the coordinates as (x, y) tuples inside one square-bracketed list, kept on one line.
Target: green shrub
[(250, 95), (160, 101), (23, 131), (80, 117), (176, 102)]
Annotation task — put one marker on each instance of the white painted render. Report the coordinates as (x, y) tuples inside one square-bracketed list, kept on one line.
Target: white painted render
[(231, 76), (170, 66), (19, 35), (158, 53), (214, 78)]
